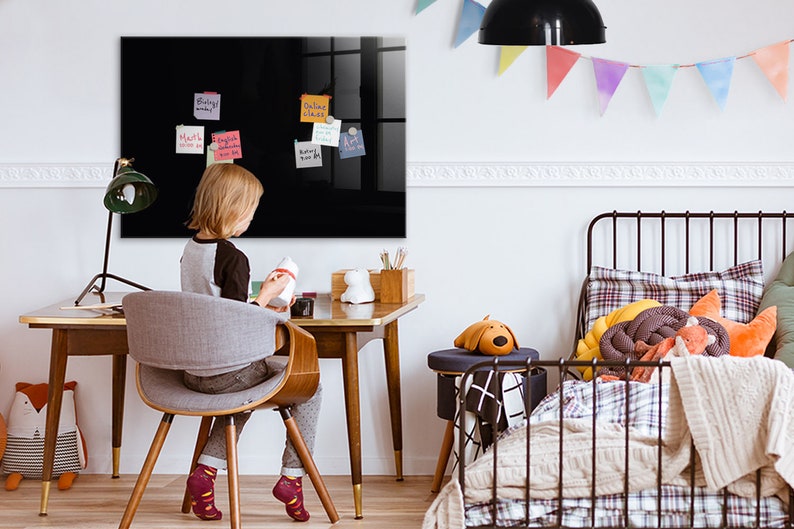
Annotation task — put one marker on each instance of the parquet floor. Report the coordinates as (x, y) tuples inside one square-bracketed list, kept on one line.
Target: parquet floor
[(97, 502)]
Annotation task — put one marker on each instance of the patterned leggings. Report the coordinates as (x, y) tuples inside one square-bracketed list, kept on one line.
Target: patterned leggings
[(306, 415)]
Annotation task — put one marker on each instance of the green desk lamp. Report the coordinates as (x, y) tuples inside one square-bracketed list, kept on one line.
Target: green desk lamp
[(128, 192)]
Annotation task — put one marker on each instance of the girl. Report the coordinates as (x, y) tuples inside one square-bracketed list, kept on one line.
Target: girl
[(226, 199)]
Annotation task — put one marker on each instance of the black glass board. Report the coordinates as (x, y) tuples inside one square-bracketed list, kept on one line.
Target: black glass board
[(260, 81)]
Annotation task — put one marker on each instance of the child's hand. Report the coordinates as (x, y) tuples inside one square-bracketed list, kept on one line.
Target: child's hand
[(272, 286)]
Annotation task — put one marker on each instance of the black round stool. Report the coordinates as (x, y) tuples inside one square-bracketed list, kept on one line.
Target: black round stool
[(451, 363)]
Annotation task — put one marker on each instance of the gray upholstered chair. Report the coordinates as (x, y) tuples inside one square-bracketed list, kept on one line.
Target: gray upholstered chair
[(168, 332)]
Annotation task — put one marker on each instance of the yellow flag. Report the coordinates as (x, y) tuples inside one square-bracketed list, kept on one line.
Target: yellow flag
[(508, 55)]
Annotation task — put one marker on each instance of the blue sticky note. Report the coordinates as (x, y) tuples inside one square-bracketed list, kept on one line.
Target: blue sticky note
[(351, 145)]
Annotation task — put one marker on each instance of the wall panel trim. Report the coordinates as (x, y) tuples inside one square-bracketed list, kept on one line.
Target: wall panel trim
[(496, 174)]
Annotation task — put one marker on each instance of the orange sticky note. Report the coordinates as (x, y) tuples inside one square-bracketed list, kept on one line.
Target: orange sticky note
[(314, 108)]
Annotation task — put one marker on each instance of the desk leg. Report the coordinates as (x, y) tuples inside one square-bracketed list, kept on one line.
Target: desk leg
[(57, 377), (119, 381), (391, 350), (353, 415)]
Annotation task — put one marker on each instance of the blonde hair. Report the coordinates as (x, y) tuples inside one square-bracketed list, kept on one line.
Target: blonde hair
[(224, 195)]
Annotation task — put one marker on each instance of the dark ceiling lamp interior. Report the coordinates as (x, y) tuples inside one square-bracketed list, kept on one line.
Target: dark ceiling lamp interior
[(541, 22)]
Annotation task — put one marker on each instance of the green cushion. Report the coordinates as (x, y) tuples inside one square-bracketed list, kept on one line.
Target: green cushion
[(780, 292)]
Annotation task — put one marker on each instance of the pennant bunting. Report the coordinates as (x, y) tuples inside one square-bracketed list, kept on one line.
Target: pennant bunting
[(608, 75), (773, 61), (658, 80), (422, 4), (717, 75), (470, 18), (507, 55), (559, 62)]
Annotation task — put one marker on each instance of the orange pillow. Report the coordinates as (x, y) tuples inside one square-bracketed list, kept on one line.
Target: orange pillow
[(747, 339)]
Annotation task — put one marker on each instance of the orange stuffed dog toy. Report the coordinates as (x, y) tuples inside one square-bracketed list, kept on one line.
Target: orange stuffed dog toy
[(489, 337)]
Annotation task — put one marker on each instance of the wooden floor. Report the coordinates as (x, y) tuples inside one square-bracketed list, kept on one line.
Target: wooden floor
[(97, 502)]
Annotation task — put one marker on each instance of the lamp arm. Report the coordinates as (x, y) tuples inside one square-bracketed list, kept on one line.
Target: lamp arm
[(105, 275), (107, 252)]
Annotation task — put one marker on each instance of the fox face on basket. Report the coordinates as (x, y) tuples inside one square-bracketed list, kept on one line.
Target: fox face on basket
[(489, 337)]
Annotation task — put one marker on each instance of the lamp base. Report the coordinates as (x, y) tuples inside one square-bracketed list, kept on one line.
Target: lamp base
[(92, 286)]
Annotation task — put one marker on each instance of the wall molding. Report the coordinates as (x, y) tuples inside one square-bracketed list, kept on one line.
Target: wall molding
[(497, 174)]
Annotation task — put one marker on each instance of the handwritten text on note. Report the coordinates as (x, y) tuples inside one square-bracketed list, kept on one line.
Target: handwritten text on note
[(229, 146), (314, 108), (207, 106), (189, 139), (327, 133), (308, 154), (351, 145)]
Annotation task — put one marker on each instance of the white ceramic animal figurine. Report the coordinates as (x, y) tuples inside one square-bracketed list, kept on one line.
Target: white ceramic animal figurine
[(359, 289)]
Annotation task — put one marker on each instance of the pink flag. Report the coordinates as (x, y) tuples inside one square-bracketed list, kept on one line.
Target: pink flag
[(773, 61), (559, 62), (608, 75)]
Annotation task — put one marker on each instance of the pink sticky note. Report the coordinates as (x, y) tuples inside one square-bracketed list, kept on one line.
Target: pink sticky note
[(229, 146)]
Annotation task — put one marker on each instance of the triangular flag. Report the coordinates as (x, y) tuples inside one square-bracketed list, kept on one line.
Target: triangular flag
[(773, 61), (608, 75), (717, 75), (421, 4), (470, 18), (658, 80), (507, 55), (559, 62)]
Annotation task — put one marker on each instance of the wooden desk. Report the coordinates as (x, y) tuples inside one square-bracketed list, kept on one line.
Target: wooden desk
[(340, 330)]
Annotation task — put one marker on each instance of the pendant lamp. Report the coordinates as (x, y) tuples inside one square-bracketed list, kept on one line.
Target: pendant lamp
[(541, 22), (128, 192)]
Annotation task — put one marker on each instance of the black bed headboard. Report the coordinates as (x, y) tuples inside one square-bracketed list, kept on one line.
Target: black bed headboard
[(682, 242)]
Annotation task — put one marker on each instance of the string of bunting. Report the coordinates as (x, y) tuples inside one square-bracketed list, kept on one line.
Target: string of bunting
[(773, 60)]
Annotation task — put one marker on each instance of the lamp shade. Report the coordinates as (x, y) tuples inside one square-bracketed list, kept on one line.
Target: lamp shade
[(541, 22), (129, 191)]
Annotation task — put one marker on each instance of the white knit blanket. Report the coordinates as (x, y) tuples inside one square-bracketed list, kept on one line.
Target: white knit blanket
[(737, 410)]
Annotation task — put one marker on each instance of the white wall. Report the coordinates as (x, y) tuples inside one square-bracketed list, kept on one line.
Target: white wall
[(512, 251)]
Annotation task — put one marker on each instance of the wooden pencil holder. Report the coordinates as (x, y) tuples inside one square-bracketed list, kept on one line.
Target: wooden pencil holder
[(396, 286)]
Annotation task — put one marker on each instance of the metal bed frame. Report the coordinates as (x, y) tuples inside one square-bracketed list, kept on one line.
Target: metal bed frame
[(769, 229)]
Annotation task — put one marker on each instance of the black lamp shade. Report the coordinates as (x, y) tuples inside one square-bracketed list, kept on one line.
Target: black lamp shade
[(541, 22), (129, 191)]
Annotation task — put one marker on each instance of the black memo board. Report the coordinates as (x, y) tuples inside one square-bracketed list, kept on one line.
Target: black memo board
[(261, 80)]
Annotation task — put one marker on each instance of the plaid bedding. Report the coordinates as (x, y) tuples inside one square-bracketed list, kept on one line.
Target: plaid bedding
[(642, 511), (610, 400), (740, 288)]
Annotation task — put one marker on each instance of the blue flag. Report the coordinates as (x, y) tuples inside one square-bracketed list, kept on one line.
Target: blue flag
[(717, 75)]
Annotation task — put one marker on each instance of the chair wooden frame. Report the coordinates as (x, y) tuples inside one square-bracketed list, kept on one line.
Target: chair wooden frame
[(300, 381)]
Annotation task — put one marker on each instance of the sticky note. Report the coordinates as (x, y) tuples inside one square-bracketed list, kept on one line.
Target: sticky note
[(314, 108), (207, 105), (190, 139), (351, 145), (327, 133), (229, 146), (308, 154)]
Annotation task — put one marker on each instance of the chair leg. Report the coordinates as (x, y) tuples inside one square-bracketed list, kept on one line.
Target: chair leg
[(232, 472), (443, 456), (146, 471), (308, 464), (201, 442)]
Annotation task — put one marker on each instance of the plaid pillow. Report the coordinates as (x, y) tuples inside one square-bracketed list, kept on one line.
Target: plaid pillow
[(740, 288)]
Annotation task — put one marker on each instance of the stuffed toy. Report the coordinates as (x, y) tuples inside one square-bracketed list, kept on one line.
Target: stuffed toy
[(691, 339), (488, 337), (359, 289), (747, 339), (588, 348), (24, 454)]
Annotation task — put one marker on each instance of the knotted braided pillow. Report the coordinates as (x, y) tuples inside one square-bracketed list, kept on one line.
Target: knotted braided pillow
[(652, 326)]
